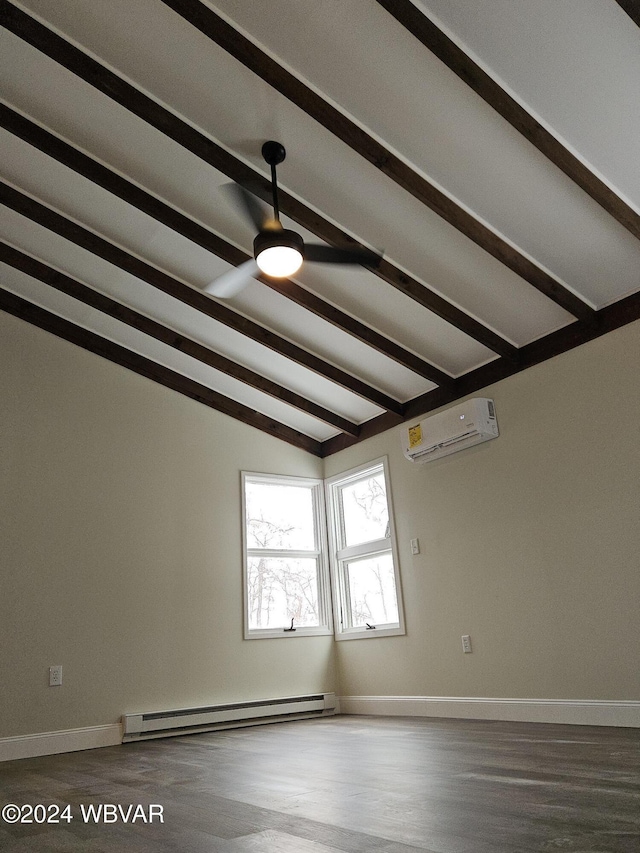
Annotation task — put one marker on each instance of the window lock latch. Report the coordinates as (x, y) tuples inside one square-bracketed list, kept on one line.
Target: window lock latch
[(291, 628), (370, 627)]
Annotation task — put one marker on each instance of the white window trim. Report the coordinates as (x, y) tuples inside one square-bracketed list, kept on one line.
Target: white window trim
[(324, 586), (336, 555)]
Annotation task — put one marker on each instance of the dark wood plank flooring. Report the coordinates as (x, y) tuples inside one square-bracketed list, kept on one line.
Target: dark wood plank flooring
[(351, 784)]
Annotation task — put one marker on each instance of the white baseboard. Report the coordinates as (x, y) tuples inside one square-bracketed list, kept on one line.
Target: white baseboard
[(48, 743), (573, 711)]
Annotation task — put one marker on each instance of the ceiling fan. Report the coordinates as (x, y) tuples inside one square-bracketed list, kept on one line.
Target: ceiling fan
[(278, 252)]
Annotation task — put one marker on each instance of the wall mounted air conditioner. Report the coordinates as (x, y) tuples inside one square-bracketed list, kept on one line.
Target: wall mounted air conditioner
[(447, 432)]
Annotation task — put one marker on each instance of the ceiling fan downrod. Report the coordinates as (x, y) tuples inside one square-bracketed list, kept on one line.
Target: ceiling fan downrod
[(279, 252), (274, 153)]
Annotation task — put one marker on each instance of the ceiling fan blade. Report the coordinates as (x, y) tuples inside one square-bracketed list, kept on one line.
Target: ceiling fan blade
[(318, 253), (250, 207), (232, 282)]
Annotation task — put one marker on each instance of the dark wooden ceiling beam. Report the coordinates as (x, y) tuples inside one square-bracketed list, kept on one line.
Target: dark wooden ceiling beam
[(608, 319), (632, 8), (50, 219), (92, 342), (53, 146), (407, 14), (76, 289), (250, 55), (84, 165), (123, 93), (394, 276), (307, 299)]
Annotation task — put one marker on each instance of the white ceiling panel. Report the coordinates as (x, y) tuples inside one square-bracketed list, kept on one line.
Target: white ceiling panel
[(453, 137), (494, 255), (37, 242), (575, 64), (318, 167)]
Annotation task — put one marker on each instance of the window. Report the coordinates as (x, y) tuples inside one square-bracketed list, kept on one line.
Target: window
[(364, 564), (286, 576), (286, 572)]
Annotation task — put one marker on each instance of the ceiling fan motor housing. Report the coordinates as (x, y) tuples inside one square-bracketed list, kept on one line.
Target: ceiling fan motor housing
[(282, 237)]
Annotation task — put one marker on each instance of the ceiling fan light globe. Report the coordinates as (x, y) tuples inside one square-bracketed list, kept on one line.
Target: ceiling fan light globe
[(279, 253), (279, 261)]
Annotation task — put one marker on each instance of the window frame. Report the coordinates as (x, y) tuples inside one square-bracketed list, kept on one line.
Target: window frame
[(340, 555), (319, 553)]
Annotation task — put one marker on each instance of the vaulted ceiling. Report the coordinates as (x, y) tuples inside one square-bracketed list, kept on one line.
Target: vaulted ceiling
[(490, 149)]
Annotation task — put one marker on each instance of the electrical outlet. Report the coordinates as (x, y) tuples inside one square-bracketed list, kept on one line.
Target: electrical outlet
[(55, 676), (415, 546), (466, 644)]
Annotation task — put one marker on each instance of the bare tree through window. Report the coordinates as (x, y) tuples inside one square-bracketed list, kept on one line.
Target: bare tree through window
[(282, 555), (364, 562)]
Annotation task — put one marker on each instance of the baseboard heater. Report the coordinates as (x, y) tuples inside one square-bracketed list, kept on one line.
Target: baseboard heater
[(217, 717)]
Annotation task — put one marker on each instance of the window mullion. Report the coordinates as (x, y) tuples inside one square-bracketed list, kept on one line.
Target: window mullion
[(345, 593)]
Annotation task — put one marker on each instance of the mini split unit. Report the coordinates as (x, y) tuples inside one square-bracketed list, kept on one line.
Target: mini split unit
[(447, 432)]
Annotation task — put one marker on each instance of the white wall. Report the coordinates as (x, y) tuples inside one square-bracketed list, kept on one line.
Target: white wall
[(121, 546), (529, 543)]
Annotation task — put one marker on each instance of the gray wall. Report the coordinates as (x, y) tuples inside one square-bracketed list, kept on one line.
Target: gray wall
[(529, 543), (121, 545)]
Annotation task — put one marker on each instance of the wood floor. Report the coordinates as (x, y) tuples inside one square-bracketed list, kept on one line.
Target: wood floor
[(352, 784)]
